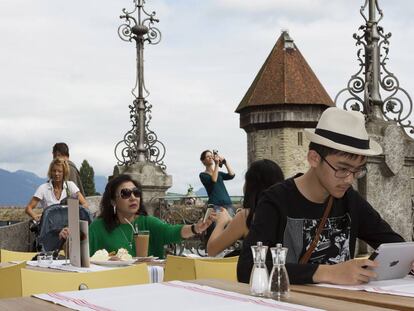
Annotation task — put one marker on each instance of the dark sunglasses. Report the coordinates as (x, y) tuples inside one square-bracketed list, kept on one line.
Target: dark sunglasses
[(126, 193)]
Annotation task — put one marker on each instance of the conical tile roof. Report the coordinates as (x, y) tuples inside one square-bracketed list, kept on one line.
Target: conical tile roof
[(285, 78)]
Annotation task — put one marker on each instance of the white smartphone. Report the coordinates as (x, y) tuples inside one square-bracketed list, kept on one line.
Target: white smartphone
[(207, 214)]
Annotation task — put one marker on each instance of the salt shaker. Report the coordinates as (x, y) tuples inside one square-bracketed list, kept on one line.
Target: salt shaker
[(259, 277), (279, 279)]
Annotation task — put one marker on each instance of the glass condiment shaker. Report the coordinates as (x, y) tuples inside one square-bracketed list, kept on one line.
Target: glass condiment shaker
[(259, 277), (279, 279)]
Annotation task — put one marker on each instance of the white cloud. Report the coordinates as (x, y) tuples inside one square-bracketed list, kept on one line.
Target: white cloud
[(266, 5), (66, 76)]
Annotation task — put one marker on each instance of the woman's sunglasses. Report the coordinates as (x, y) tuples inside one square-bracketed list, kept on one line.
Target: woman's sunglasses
[(126, 193)]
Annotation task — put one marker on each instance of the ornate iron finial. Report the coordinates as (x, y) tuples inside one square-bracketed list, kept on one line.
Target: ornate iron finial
[(289, 43), (140, 143), (373, 81)]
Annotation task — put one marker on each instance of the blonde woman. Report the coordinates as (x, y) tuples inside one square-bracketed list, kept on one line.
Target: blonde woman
[(56, 189)]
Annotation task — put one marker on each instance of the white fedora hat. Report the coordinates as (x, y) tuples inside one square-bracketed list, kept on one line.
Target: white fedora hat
[(345, 131)]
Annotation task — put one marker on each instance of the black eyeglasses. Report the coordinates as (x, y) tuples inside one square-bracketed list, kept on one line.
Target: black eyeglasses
[(126, 193), (344, 172)]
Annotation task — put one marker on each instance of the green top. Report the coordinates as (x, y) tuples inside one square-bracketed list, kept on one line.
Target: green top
[(217, 192), (161, 234)]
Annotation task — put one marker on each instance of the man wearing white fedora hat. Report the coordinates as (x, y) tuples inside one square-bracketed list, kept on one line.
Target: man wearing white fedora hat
[(318, 215)]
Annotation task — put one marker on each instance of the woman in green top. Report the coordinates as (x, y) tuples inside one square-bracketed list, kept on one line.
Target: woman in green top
[(121, 204)]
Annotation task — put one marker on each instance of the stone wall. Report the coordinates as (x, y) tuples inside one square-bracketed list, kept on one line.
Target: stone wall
[(286, 146), (388, 185), (15, 213), (16, 237), (94, 202)]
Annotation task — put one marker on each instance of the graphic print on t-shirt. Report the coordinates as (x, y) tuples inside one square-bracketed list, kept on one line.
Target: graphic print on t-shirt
[(333, 245)]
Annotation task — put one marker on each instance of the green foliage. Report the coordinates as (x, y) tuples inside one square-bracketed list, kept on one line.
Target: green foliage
[(87, 176)]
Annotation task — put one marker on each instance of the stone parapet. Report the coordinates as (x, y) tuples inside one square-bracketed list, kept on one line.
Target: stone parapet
[(388, 185), (15, 213), (16, 237)]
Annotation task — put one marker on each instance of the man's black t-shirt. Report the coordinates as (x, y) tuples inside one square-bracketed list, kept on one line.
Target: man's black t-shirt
[(285, 216)]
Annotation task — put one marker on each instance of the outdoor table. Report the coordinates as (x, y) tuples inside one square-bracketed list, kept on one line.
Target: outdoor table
[(32, 303), (367, 298)]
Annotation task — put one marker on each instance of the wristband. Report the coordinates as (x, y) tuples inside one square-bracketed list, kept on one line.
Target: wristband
[(193, 229)]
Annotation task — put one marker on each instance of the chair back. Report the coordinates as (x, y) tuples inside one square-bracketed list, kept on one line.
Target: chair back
[(224, 259), (10, 280), (225, 270), (7, 256), (179, 268), (40, 282), (183, 268)]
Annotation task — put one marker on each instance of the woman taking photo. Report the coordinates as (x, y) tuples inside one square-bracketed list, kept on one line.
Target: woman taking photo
[(261, 175), (121, 209), (55, 190), (213, 180)]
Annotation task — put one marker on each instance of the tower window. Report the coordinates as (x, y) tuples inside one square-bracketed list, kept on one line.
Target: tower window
[(300, 138)]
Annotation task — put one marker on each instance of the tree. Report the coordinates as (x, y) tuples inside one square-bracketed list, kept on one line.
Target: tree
[(87, 176)]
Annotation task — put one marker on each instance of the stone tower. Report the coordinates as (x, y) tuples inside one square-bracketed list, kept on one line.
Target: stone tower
[(285, 98)]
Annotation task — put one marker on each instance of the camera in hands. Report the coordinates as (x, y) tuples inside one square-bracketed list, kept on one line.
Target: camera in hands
[(221, 162)]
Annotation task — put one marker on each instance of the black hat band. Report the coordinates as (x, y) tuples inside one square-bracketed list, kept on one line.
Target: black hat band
[(343, 139)]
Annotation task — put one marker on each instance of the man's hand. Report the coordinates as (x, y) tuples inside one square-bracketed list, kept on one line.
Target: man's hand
[(64, 233), (351, 272), (201, 225)]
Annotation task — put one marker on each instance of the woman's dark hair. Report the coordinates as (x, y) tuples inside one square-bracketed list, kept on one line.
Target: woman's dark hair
[(107, 209), (261, 175), (203, 155)]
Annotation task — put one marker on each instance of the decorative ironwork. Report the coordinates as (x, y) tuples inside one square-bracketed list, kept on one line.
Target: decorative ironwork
[(140, 143), (186, 210), (182, 210), (364, 89)]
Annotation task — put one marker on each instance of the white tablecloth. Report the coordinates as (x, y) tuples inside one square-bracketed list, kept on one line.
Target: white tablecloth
[(156, 273), (171, 296)]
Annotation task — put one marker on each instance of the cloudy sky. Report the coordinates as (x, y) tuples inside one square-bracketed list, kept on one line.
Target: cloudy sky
[(66, 76)]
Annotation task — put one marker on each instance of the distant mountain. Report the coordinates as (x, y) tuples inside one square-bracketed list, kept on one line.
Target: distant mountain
[(17, 188), (201, 192), (100, 183)]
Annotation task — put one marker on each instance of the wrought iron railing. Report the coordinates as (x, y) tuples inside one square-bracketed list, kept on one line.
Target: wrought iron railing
[(186, 210)]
